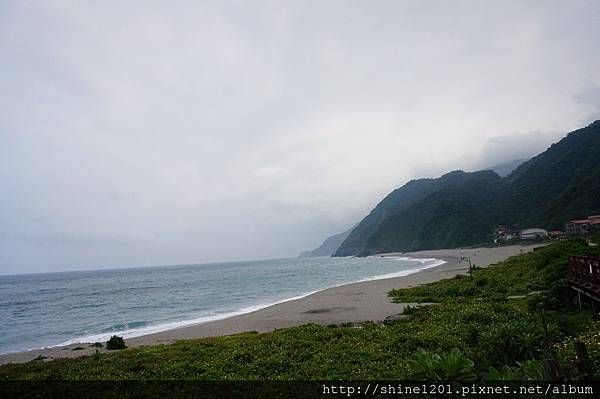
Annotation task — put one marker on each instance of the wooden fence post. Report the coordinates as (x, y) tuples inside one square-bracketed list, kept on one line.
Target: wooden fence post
[(470, 269)]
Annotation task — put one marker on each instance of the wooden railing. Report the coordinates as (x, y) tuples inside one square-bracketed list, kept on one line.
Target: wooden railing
[(584, 274)]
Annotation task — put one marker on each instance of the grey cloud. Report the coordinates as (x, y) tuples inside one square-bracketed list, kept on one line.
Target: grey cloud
[(205, 131), (501, 149), (590, 98)]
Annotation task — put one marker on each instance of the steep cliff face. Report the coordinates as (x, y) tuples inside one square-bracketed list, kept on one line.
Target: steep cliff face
[(461, 208), (457, 215), (396, 202), (559, 184)]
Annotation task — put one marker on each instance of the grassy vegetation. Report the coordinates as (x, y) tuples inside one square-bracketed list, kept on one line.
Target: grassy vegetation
[(595, 237), (498, 325)]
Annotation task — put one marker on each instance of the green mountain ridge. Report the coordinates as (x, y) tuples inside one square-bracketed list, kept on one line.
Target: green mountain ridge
[(328, 246), (463, 208)]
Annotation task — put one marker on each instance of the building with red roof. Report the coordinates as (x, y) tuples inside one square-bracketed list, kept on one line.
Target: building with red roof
[(583, 226)]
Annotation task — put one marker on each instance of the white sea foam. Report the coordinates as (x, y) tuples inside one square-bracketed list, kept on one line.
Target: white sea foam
[(153, 329), (425, 263)]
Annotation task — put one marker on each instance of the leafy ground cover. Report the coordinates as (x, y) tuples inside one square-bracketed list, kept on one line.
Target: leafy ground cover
[(500, 324)]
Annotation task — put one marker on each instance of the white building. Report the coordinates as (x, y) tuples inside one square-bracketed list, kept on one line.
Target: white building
[(533, 233)]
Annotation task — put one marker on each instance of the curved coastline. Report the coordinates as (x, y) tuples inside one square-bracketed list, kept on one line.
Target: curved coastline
[(348, 303), (424, 263)]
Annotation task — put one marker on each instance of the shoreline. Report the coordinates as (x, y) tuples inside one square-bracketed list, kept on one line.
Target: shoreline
[(357, 302), (423, 264), (83, 341)]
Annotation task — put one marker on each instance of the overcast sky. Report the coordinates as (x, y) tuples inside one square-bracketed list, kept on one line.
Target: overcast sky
[(151, 133)]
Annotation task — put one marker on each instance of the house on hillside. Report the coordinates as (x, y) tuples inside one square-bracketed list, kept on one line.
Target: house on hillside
[(533, 233), (583, 226), (505, 234), (579, 226)]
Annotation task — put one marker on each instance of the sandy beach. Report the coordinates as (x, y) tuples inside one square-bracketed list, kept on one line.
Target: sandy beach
[(351, 303)]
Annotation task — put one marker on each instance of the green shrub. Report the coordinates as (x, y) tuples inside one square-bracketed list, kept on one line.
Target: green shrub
[(531, 370), (505, 373), (453, 366), (115, 343), (481, 282), (510, 341)]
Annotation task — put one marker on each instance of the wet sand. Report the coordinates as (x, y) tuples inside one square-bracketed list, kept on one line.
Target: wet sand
[(351, 303)]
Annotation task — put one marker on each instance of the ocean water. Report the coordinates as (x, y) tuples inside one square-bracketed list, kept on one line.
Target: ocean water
[(51, 309)]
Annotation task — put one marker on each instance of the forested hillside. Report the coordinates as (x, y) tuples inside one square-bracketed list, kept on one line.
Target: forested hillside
[(461, 209)]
